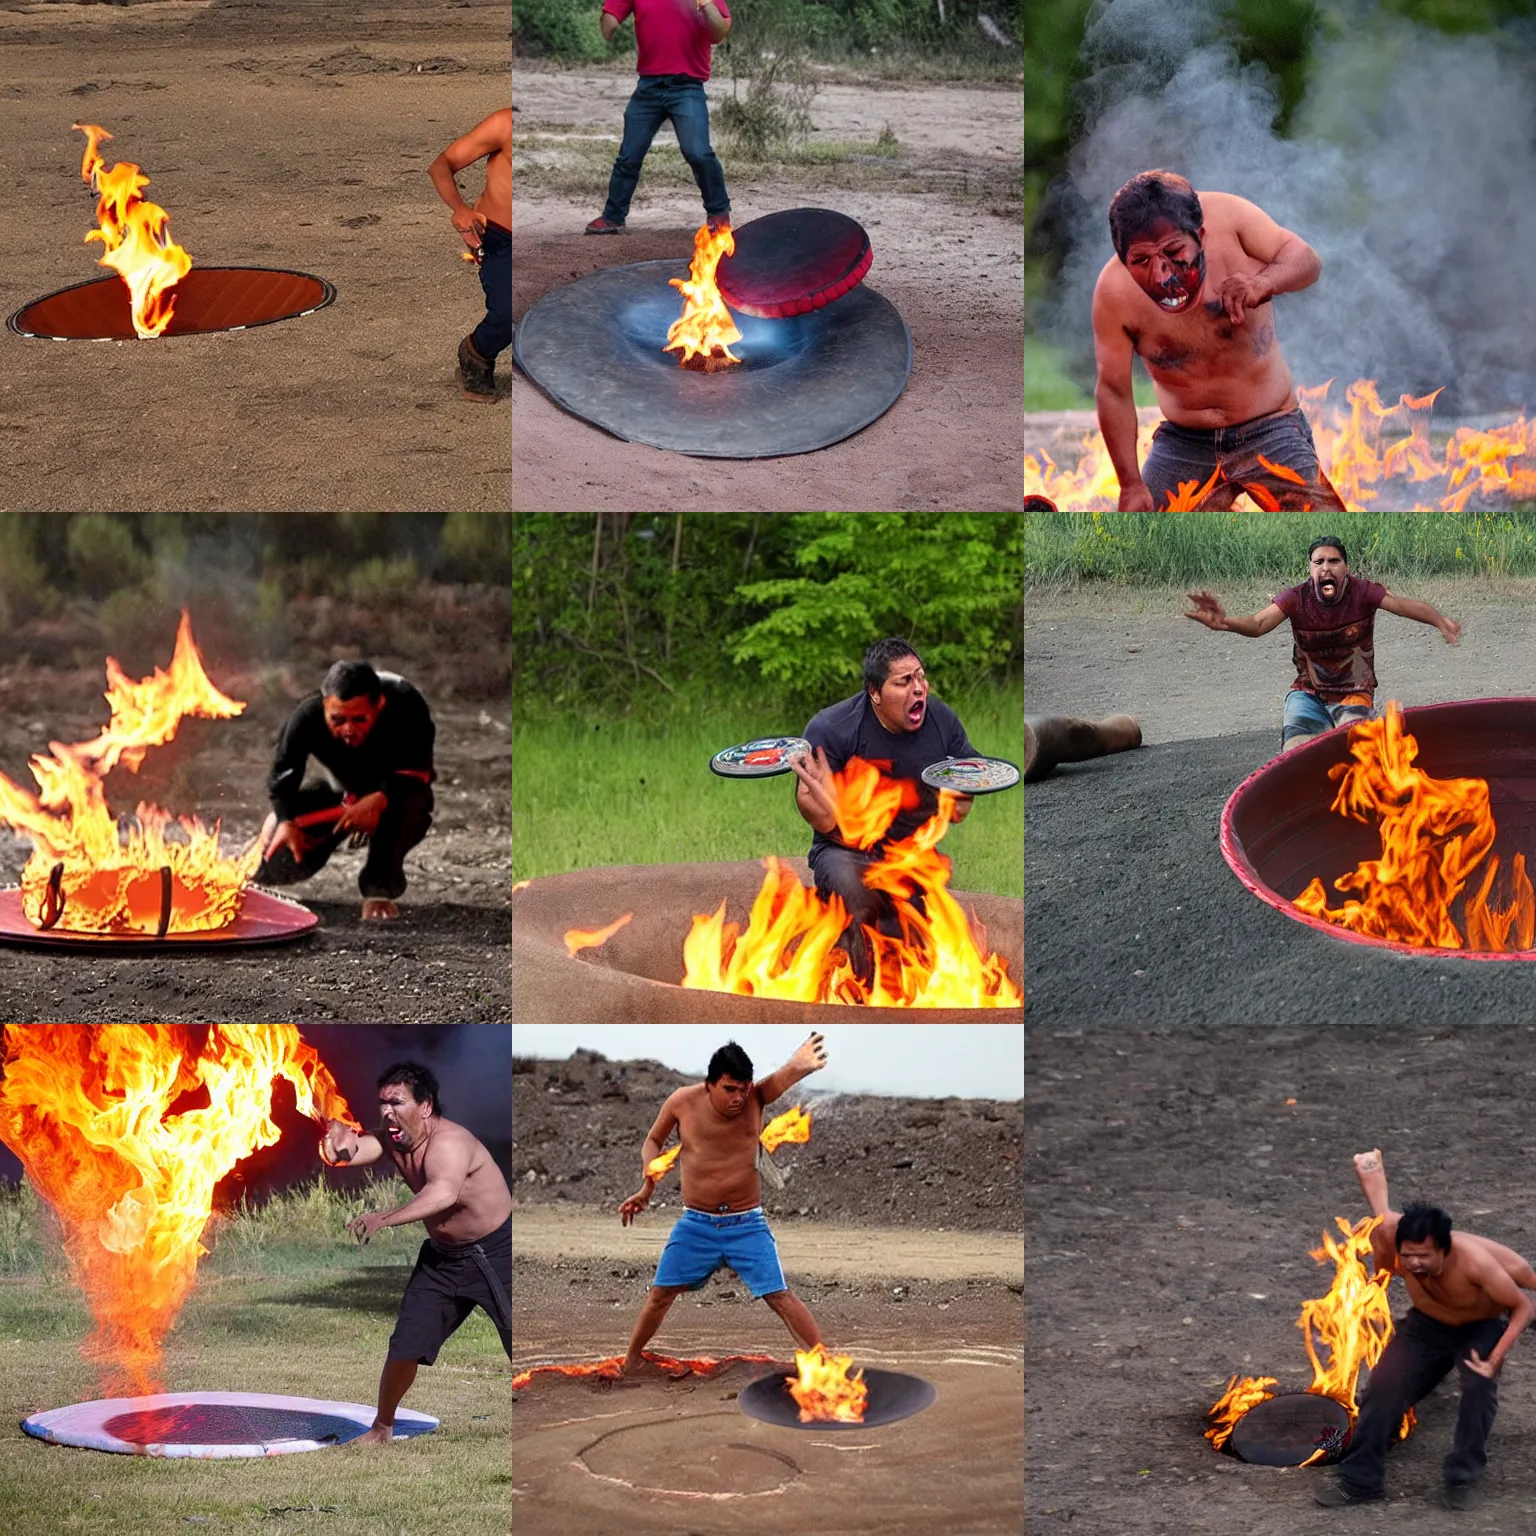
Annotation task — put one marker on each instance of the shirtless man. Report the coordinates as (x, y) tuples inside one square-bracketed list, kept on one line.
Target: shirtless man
[(718, 1123), (1189, 292), (463, 1201), (1333, 622), (487, 230)]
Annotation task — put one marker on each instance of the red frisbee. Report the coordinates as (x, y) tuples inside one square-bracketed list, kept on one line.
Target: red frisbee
[(793, 262)]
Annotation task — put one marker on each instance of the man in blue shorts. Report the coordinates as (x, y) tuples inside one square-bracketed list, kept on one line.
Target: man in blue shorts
[(722, 1226), (1333, 621)]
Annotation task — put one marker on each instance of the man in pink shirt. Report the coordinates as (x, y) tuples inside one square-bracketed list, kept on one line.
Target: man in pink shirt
[(673, 38)]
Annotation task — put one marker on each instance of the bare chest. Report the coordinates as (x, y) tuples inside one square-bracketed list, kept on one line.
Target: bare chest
[(1205, 340), (704, 1132)]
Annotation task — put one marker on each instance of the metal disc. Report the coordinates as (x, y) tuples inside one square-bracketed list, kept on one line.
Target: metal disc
[(893, 1395), (761, 759), (1287, 1430), (793, 262), (972, 775), (595, 348), (264, 918)]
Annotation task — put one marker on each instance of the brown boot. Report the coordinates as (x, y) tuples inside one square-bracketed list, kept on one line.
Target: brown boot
[(477, 377), (1059, 739)]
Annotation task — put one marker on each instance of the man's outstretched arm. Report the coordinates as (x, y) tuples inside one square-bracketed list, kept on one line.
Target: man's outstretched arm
[(342, 1147), (1425, 613), (1208, 611), (1371, 1170), (811, 1057)]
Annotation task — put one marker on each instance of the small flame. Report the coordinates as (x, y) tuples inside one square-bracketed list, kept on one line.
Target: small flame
[(578, 939), (824, 1389), (657, 1167), (1435, 833), (703, 333), (135, 235), (794, 1125), (1242, 1393), (125, 1129)]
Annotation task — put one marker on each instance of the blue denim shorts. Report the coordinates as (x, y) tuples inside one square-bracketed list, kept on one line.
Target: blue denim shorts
[(1308, 715), (700, 1244)]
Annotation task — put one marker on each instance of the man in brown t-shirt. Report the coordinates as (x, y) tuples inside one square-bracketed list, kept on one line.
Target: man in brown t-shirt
[(1333, 621)]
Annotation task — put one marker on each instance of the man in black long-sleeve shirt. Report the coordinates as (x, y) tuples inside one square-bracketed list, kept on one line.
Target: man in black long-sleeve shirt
[(372, 732)]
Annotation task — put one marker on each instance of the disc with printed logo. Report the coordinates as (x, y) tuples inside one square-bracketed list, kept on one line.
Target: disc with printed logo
[(972, 775), (760, 759)]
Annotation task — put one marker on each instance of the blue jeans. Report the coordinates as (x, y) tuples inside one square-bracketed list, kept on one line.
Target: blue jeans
[(656, 98), (1182, 454), (494, 333), (1308, 715)]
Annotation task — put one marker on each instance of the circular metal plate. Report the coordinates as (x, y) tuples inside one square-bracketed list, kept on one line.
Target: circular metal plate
[(265, 918), (892, 1396), (761, 759), (595, 348), (793, 262), (972, 775), (206, 299), (1287, 1430)]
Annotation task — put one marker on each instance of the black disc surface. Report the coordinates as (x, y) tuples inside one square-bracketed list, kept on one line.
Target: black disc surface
[(228, 1424), (594, 347), (893, 1395), (1287, 1430)]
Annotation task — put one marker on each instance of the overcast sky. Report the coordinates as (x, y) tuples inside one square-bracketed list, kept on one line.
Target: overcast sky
[(931, 1061)]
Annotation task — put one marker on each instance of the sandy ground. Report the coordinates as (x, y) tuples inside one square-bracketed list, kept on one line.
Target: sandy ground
[(277, 133), (1177, 1180), (953, 270), (447, 960), (1131, 911)]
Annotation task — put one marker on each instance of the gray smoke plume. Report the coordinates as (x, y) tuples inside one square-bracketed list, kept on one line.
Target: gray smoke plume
[(1410, 169)]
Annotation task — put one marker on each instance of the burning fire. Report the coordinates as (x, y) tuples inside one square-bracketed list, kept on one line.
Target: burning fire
[(609, 1369), (82, 875), (790, 946), (703, 333), (135, 235), (824, 1389), (1435, 833), (125, 1129), (578, 939), (793, 1125), (1373, 455), (1344, 1333)]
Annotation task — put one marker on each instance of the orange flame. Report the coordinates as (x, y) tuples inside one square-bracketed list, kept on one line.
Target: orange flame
[(125, 1129), (703, 333), (825, 1390), (1434, 835), (610, 1369), (1371, 453), (1344, 1332), (794, 1125), (657, 1167), (134, 234), (789, 948), (578, 939), (112, 884)]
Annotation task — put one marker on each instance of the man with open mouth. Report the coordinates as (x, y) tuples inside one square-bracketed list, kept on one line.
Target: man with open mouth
[(461, 1197), (1189, 291), (1333, 624), (896, 724)]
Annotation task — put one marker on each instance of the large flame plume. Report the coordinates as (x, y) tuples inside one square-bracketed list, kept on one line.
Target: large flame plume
[(823, 1388), (135, 235), (125, 1129), (703, 333), (110, 883), (1377, 457), (793, 1125), (1344, 1332), (1435, 835)]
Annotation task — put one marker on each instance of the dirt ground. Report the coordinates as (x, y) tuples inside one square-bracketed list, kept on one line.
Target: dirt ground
[(953, 269), (287, 133), (447, 960), (1177, 1180)]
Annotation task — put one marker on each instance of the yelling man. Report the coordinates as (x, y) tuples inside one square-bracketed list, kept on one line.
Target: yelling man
[(892, 722), (1189, 291), (487, 230), (1333, 624), (673, 39), (1467, 1311), (462, 1199), (372, 733), (722, 1226)]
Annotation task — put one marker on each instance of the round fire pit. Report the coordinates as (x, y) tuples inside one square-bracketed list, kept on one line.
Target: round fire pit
[(1278, 830), (892, 1396), (1287, 1430), (265, 918), (633, 977)]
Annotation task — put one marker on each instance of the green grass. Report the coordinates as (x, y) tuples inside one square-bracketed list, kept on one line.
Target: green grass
[(314, 1329), (1064, 548), (593, 789)]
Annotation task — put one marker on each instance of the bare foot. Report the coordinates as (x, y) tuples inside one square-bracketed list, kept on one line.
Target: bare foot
[(638, 1368), (380, 1434), (377, 910)]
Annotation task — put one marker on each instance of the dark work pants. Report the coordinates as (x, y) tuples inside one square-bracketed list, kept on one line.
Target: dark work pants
[(840, 872), (494, 334), (1420, 1354), (403, 825)]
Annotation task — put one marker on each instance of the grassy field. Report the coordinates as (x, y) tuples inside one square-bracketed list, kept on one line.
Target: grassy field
[(285, 1302), (590, 790), (1063, 548)]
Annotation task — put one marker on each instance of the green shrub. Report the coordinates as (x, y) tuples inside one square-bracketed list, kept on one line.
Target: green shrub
[(477, 546), (104, 555), (562, 29)]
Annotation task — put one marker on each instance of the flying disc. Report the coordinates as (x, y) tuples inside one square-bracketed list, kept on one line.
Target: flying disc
[(972, 775), (761, 759), (792, 262)]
